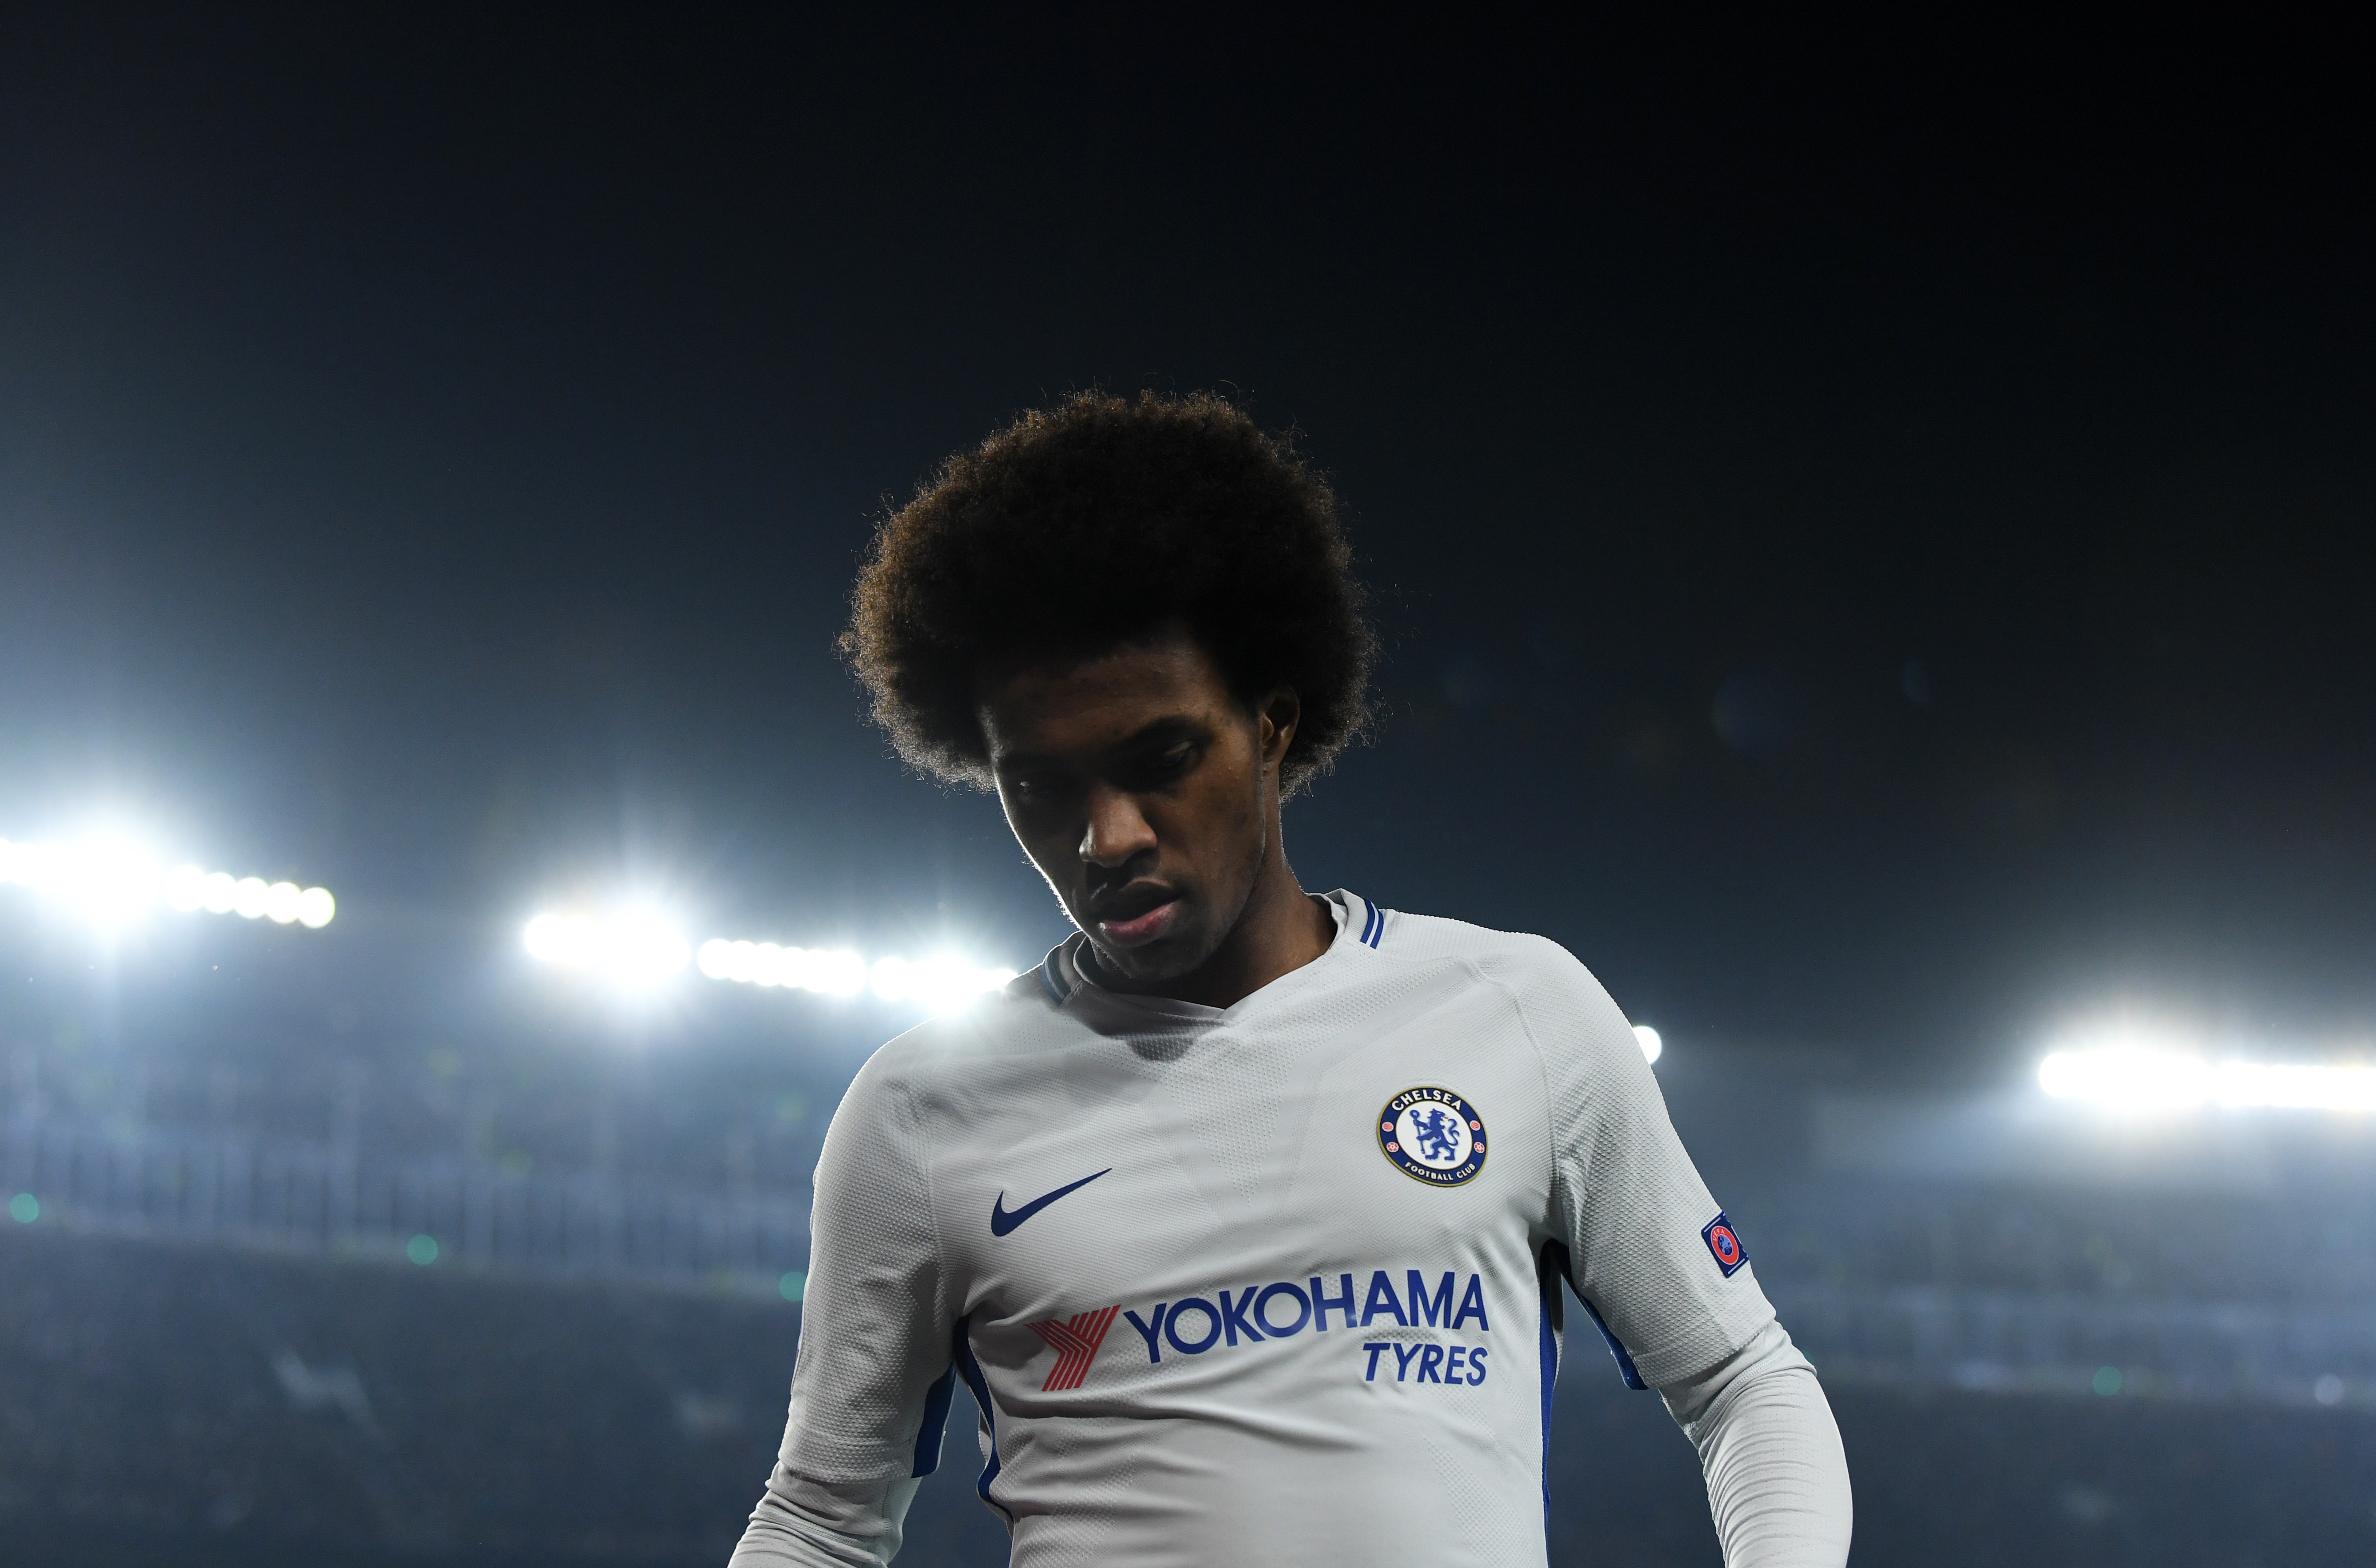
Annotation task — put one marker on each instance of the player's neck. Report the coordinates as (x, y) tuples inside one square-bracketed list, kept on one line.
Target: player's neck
[(1282, 929)]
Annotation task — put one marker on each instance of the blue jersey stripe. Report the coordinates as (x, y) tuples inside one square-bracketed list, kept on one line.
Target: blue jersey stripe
[(972, 1370), (1053, 981), (1625, 1367), (936, 1421), (1547, 1348)]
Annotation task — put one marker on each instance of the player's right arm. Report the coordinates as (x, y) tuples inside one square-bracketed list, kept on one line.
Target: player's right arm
[(871, 1383)]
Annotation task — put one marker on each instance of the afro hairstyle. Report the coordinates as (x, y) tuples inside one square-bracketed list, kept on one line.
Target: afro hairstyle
[(1098, 523)]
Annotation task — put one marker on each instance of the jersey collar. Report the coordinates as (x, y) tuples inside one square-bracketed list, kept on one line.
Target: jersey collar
[(1359, 921)]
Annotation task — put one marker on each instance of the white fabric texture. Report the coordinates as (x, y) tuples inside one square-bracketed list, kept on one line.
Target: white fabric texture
[(1114, 1217), (1777, 1479)]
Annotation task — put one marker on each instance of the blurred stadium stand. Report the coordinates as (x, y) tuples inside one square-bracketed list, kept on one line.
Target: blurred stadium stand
[(212, 1348), (289, 1196)]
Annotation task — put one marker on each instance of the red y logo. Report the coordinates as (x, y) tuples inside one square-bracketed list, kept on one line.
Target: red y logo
[(1075, 1342)]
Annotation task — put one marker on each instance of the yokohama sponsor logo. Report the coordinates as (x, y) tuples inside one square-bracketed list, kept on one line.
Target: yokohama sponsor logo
[(1075, 1340)]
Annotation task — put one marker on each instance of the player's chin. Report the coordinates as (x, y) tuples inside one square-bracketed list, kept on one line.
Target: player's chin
[(1176, 953)]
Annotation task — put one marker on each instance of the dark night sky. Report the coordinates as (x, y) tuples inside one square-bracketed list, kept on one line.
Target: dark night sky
[(1869, 524)]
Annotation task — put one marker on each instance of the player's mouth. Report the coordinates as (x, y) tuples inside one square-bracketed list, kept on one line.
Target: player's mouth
[(1135, 920)]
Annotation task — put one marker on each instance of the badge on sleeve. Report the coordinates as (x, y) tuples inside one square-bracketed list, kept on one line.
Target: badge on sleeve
[(1723, 1245)]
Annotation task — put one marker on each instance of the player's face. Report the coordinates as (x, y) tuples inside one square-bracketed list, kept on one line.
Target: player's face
[(1147, 794)]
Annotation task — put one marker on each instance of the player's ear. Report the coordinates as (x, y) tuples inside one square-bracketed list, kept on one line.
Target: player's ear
[(1281, 712)]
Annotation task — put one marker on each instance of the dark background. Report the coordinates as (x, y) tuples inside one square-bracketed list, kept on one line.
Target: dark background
[(1869, 518)]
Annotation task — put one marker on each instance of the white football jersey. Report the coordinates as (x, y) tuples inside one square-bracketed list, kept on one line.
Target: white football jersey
[(1276, 1283)]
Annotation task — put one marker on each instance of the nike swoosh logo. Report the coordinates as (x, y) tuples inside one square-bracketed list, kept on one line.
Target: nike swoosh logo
[(1003, 1220)]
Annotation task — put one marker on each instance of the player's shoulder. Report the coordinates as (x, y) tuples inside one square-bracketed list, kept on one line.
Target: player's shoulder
[(1550, 984), (1512, 957), (1020, 1021)]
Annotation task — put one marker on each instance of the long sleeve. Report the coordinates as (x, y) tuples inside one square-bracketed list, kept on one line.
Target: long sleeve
[(1626, 1203), (871, 1382), (1670, 1283), (1777, 1479)]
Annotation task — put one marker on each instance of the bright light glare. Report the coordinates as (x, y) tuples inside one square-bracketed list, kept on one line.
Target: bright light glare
[(827, 972), (636, 948), (936, 984), (38, 866), (281, 901), (2145, 1081), (612, 945), (186, 888), (1647, 1038), (248, 898), (315, 907), (112, 881), (109, 880), (556, 939)]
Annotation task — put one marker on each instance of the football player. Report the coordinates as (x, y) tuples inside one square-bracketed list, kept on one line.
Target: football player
[(1245, 1216)]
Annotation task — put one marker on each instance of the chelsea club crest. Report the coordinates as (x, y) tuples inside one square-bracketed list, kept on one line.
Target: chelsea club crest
[(1433, 1136)]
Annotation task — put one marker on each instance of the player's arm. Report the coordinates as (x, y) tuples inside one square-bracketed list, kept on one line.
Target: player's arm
[(1777, 1479), (871, 1384), (1633, 1215)]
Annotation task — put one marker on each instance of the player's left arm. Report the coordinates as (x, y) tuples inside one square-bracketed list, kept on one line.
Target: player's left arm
[(1645, 1254), (1777, 1479)]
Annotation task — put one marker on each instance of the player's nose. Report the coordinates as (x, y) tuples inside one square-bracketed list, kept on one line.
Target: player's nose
[(1115, 829)]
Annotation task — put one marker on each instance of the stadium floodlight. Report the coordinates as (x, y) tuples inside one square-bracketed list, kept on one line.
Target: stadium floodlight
[(186, 889), (641, 945), (2138, 1080), (632, 948), (1647, 1038), (111, 880), (316, 909), (936, 984), (827, 972), (250, 898), (559, 939)]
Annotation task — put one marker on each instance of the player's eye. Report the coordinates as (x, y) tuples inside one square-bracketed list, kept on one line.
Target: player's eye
[(1165, 766)]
